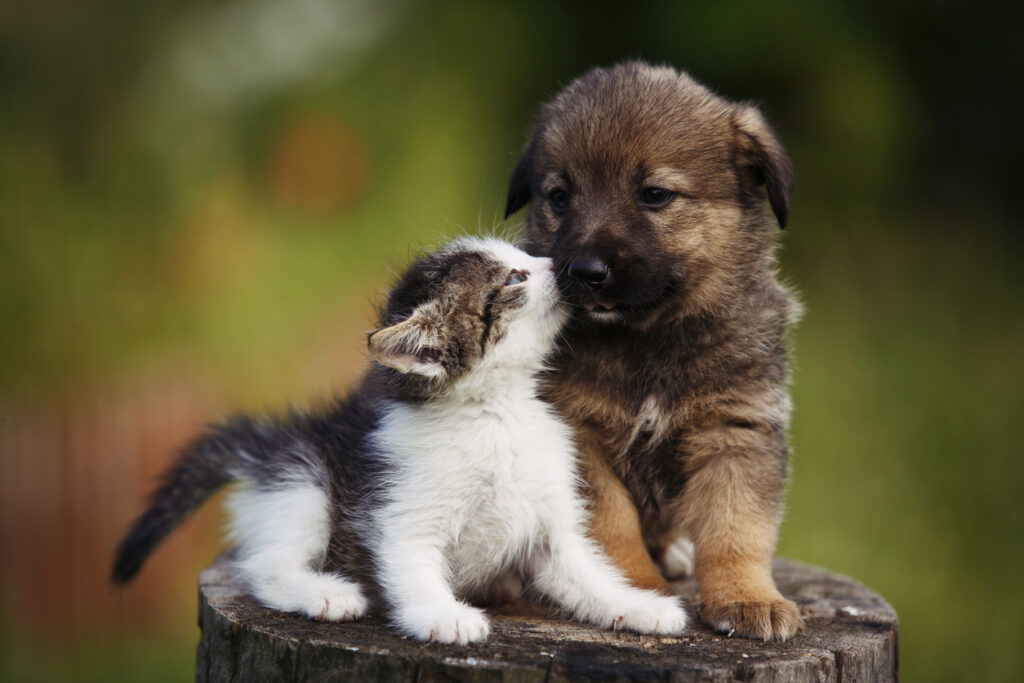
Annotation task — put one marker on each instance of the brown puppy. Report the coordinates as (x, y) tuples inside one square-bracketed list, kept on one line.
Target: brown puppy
[(660, 203)]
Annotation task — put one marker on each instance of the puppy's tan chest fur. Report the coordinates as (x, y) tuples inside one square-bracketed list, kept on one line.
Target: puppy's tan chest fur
[(638, 432)]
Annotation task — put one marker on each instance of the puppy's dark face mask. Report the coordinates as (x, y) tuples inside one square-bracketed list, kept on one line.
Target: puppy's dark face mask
[(648, 191)]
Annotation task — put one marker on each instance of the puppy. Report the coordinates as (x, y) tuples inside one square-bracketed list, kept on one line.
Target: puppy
[(660, 203)]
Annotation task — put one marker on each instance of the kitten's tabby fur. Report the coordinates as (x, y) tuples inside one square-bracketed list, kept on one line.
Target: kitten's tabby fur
[(442, 475)]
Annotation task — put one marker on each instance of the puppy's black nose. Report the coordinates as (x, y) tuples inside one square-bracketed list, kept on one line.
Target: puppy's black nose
[(590, 271)]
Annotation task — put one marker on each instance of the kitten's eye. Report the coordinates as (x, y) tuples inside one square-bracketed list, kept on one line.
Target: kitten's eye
[(656, 197), (516, 277), (559, 200)]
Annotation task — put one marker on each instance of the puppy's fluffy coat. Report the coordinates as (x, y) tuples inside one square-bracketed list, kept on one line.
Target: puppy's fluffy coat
[(660, 203), (442, 474)]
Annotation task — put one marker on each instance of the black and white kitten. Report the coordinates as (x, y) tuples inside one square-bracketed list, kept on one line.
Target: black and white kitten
[(440, 476)]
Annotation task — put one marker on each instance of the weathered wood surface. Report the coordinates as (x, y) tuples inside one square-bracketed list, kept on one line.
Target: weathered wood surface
[(849, 635)]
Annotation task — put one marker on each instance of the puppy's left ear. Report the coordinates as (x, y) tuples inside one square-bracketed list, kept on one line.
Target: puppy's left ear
[(760, 153), (519, 193)]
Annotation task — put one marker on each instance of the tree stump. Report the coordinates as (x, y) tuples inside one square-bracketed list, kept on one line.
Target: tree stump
[(849, 635)]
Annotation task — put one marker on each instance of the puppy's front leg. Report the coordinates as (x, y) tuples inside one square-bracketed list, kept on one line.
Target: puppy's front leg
[(731, 506), (615, 521)]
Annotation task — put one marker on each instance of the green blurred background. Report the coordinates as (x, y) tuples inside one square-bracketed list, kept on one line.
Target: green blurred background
[(200, 202)]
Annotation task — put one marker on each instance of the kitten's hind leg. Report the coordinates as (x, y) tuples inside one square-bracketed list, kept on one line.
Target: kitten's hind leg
[(282, 533), (316, 595)]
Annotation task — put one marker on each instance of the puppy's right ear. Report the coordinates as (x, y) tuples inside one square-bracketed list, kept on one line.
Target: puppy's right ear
[(411, 346), (519, 193)]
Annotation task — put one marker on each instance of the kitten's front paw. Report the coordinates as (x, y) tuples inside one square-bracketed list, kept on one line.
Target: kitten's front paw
[(456, 623), (657, 614)]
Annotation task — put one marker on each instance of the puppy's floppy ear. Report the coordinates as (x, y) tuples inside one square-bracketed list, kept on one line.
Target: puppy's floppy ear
[(412, 346), (760, 153), (519, 193)]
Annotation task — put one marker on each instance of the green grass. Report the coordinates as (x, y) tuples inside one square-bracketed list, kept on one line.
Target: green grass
[(906, 468)]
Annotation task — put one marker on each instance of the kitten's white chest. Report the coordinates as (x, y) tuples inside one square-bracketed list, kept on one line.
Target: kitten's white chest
[(488, 477), (515, 473)]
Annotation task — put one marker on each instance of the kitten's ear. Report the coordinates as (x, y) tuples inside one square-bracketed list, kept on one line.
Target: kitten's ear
[(412, 346), (761, 154)]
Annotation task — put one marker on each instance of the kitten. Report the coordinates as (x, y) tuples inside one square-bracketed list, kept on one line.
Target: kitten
[(442, 475)]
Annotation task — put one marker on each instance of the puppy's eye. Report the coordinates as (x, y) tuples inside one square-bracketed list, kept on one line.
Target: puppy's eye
[(559, 200), (656, 197), (516, 277)]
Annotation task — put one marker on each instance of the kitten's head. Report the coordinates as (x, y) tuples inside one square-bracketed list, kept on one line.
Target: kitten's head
[(476, 306)]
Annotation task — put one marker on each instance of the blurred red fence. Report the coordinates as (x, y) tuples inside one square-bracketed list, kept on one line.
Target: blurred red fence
[(74, 473)]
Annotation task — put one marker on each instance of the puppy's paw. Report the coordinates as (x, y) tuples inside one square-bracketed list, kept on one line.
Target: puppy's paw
[(656, 614), (334, 600), (677, 558), (777, 619), (455, 623)]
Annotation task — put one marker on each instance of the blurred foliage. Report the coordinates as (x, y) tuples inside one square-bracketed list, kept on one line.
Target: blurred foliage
[(220, 186)]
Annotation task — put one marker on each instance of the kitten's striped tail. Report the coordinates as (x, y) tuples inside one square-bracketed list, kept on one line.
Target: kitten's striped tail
[(210, 462)]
